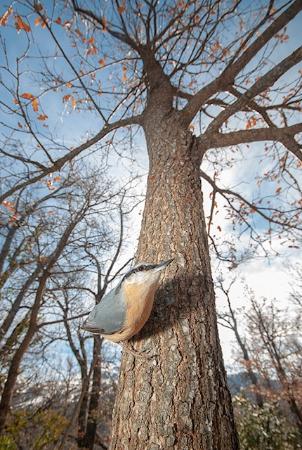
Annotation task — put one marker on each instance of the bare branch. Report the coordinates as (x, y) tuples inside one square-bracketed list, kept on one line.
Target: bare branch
[(228, 75), (284, 135)]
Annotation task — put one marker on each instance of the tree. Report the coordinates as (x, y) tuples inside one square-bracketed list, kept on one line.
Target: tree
[(171, 67), (269, 342), (230, 319), (46, 243), (279, 349), (264, 428)]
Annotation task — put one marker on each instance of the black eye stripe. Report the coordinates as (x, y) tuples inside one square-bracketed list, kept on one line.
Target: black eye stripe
[(135, 270), (140, 268)]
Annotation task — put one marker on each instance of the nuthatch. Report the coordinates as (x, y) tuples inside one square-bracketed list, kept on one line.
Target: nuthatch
[(123, 312)]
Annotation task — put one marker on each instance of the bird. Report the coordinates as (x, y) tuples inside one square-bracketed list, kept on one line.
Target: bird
[(123, 312)]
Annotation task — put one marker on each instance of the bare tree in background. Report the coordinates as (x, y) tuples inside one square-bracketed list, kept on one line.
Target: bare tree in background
[(48, 247), (276, 346), (169, 67), (231, 319), (268, 336)]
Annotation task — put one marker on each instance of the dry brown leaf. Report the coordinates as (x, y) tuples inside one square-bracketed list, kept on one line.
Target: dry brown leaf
[(35, 104), (73, 102), (104, 23), (27, 96), (251, 123), (21, 25), (42, 117), (38, 7), (5, 16), (92, 50)]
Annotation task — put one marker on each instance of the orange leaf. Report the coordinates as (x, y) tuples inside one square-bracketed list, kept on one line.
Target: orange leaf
[(68, 97), (121, 9), (90, 40), (40, 21), (27, 96), (102, 62), (5, 16), (20, 25), (73, 102), (58, 21), (124, 76), (42, 117), (92, 50), (57, 178), (278, 190), (69, 84), (35, 104), (251, 123), (34, 100)]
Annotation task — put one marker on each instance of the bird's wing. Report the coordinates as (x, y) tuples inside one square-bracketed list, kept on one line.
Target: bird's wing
[(109, 315)]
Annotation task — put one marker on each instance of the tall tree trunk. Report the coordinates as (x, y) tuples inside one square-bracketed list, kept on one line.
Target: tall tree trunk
[(177, 399), (82, 417), (90, 435), (14, 367)]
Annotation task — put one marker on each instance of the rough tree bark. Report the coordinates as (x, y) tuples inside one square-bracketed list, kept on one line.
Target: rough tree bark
[(177, 399)]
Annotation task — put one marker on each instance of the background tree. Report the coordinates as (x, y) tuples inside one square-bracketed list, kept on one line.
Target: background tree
[(168, 70), (268, 348), (230, 318), (46, 284)]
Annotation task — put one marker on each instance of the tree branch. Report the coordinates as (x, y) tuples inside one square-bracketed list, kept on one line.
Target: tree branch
[(284, 135), (59, 163), (261, 85), (227, 76), (226, 192)]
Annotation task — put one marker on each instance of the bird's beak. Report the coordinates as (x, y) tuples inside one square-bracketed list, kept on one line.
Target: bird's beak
[(164, 264)]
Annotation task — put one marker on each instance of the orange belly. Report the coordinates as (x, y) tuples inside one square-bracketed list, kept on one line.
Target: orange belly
[(139, 308)]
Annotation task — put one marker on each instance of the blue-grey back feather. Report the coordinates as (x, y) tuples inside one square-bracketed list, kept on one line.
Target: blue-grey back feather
[(109, 315)]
